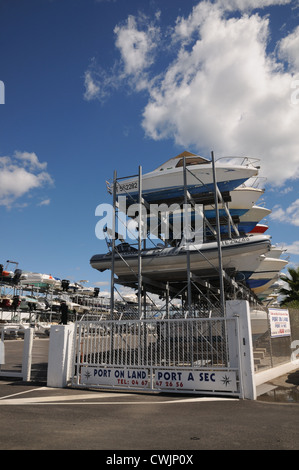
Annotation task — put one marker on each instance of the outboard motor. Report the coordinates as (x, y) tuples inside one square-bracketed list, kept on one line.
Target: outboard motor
[(17, 276), (65, 285)]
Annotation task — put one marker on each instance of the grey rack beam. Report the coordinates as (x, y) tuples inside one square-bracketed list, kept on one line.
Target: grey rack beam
[(222, 293), (206, 199), (155, 287)]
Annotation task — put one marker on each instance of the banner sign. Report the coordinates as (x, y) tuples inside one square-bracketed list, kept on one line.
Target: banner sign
[(162, 379), (279, 322), (113, 377), (201, 380)]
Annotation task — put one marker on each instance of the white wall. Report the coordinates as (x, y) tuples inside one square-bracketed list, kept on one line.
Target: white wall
[(60, 355), (241, 352)]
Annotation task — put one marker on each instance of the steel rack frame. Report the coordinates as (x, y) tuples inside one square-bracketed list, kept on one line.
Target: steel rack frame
[(219, 285)]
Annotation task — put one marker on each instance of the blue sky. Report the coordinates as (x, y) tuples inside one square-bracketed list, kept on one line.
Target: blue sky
[(93, 86)]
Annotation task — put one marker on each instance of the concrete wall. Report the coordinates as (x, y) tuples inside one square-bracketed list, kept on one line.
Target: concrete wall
[(60, 355), (240, 346), (25, 373)]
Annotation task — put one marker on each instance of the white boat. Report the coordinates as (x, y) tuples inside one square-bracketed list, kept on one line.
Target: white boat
[(267, 287), (243, 197), (266, 271), (269, 265), (252, 217), (6, 275), (50, 280), (248, 221), (263, 283), (276, 252), (248, 218), (89, 291), (29, 278), (259, 228), (240, 254), (26, 301), (255, 214), (167, 181)]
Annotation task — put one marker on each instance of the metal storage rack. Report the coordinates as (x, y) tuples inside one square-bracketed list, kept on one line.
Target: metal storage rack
[(198, 296)]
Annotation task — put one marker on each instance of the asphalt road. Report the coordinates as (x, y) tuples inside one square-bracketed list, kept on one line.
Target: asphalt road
[(36, 417)]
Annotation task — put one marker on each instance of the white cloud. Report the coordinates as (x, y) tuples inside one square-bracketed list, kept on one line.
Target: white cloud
[(45, 202), (289, 50), (30, 160), (19, 175), (278, 213), (293, 249), (99, 83), (286, 190), (221, 90), (289, 215), (101, 283), (91, 88), (225, 94), (136, 46), (245, 5)]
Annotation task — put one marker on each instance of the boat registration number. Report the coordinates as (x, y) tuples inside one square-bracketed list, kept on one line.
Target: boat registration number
[(127, 186), (234, 241)]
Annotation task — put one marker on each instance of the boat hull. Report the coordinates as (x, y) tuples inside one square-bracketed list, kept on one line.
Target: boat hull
[(263, 288), (242, 198), (248, 218), (267, 270), (168, 184), (171, 263), (259, 228)]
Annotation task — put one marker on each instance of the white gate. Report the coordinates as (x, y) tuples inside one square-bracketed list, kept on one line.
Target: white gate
[(186, 355)]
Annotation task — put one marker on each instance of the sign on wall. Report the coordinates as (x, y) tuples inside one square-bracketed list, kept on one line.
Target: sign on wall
[(115, 376), (160, 379), (279, 322), (201, 380)]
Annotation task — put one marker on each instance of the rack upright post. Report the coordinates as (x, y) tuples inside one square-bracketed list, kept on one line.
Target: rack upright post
[(222, 296)]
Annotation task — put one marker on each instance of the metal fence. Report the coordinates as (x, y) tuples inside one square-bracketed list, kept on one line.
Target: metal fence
[(118, 353), (270, 351)]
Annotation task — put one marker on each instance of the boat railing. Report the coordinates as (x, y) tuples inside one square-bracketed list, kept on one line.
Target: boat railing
[(245, 161), (257, 182)]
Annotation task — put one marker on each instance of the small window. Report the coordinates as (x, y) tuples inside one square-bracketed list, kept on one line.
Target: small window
[(191, 161)]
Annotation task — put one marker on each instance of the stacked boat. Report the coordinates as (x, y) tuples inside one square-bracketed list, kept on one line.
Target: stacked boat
[(26, 294), (247, 253), (41, 282)]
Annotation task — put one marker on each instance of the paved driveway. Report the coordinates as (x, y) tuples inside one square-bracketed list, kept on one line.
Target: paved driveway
[(44, 418)]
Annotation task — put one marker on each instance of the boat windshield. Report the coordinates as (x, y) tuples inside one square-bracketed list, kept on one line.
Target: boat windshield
[(192, 161), (178, 161)]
